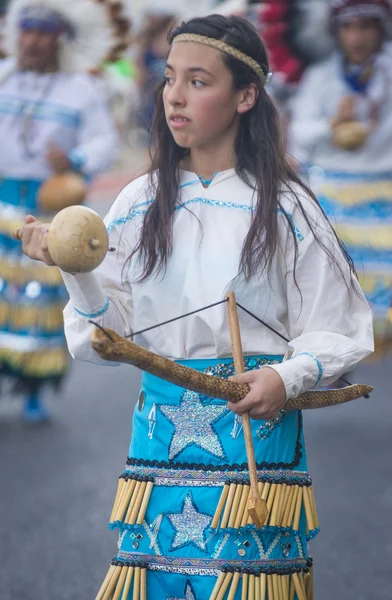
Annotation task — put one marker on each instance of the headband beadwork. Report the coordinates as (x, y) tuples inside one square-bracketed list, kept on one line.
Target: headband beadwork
[(224, 47)]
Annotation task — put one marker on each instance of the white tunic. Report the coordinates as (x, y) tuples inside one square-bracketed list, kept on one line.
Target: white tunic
[(39, 110), (328, 325), (316, 103)]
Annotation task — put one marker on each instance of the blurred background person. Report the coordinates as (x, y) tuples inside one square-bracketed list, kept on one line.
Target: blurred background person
[(341, 125), (295, 34), (53, 120), (153, 48), (155, 18)]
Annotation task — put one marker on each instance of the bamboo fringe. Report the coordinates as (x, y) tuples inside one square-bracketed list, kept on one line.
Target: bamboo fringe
[(51, 362), (284, 506), (128, 581), (20, 317), (119, 579), (261, 586), (132, 499)]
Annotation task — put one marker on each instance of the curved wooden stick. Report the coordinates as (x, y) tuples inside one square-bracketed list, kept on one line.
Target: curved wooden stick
[(111, 346)]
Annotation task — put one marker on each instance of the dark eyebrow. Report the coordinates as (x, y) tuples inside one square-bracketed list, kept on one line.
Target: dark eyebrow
[(195, 69), (192, 70)]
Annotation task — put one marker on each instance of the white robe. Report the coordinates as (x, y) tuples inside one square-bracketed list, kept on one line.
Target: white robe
[(67, 111), (316, 103), (328, 325)]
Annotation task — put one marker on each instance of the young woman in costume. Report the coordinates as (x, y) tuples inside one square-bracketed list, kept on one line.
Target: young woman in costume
[(220, 210), (341, 124)]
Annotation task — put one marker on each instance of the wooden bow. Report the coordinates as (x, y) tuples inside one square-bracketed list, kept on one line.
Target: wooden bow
[(111, 346)]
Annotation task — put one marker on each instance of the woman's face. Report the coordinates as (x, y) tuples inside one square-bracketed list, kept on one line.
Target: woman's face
[(201, 105), (359, 39)]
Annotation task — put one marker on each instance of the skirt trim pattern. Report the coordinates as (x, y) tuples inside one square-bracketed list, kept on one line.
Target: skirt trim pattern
[(128, 579)]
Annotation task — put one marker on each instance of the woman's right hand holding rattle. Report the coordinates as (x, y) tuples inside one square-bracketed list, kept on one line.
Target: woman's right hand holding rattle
[(34, 240)]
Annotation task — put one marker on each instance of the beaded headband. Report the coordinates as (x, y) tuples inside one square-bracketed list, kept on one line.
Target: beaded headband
[(223, 47)]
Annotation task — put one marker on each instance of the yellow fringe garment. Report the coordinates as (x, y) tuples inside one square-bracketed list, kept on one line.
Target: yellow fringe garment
[(50, 362), (20, 317), (22, 273)]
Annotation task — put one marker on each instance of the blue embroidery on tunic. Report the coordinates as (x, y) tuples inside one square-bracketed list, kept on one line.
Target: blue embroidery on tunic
[(208, 181), (184, 185), (137, 211), (217, 204), (316, 360), (93, 315), (190, 526), (41, 111), (297, 232), (134, 212)]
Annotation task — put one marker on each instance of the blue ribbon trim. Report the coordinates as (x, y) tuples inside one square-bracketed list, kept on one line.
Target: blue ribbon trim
[(316, 360), (99, 313)]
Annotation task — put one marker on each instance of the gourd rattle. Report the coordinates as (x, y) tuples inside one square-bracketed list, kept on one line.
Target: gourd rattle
[(77, 239), (351, 136), (62, 190)]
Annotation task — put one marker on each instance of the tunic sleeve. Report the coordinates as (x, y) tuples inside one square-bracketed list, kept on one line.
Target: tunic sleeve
[(103, 296), (329, 319), (97, 145)]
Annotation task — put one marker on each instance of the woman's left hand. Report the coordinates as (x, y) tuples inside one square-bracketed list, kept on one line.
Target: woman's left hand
[(267, 394)]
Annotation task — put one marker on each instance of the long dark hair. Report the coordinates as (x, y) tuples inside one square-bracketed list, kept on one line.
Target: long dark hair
[(260, 161)]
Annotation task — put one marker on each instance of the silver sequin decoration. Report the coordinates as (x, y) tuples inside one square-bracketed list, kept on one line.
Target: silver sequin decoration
[(220, 546), (152, 420), (265, 430), (152, 531), (190, 525), (237, 427), (193, 423), (189, 593)]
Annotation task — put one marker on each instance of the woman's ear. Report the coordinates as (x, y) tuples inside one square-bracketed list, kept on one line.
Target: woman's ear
[(248, 98)]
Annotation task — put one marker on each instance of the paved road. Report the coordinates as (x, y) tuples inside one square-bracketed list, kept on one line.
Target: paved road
[(57, 484)]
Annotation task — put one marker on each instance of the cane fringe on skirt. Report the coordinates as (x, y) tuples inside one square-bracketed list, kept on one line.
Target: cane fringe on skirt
[(132, 498), (122, 580), (284, 505), (285, 502), (128, 581)]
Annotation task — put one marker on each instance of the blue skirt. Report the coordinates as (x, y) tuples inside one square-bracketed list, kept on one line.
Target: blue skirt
[(180, 506)]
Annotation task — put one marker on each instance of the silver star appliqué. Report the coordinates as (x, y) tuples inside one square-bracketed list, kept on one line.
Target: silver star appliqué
[(193, 422), (189, 525), (189, 593)]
